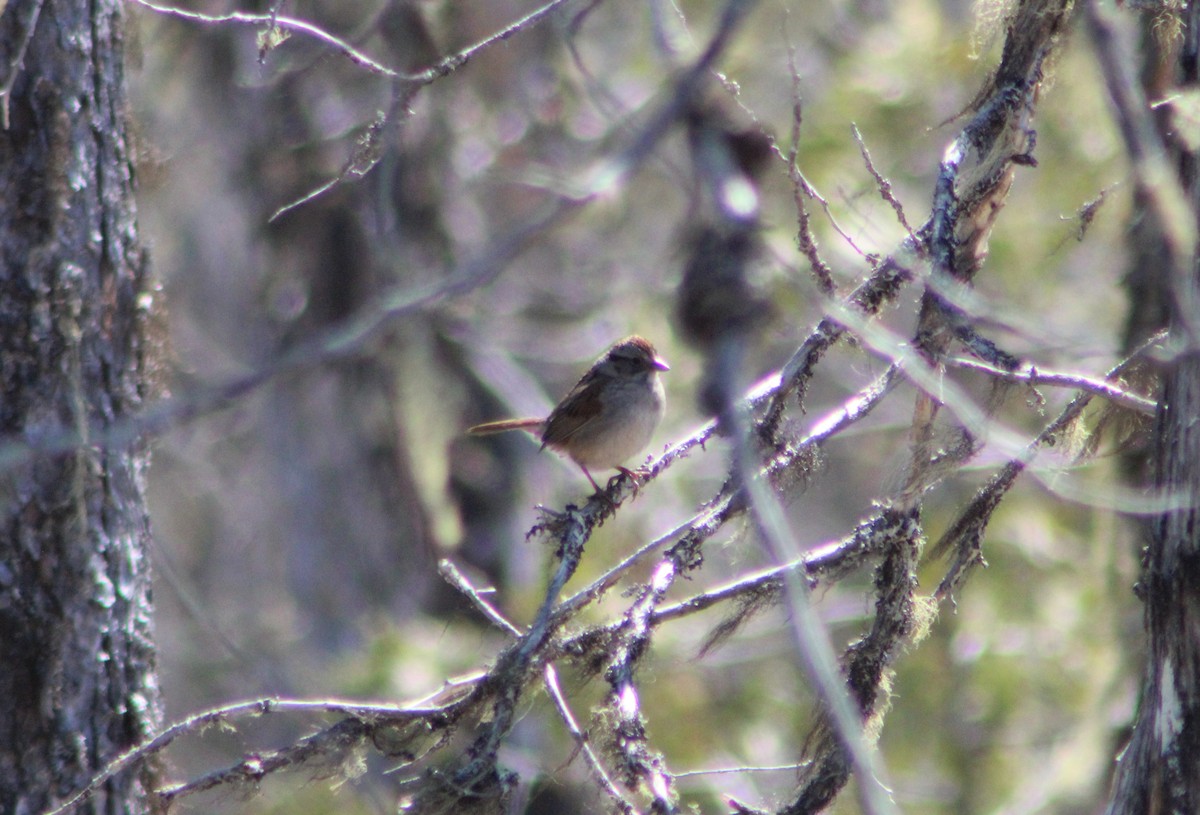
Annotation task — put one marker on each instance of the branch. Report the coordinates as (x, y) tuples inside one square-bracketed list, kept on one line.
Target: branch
[(355, 334), (1034, 376), (444, 67), (582, 744), (458, 580), (360, 720), (867, 299), (335, 741), (806, 241), (884, 186), (846, 746), (965, 535), (824, 563), (640, 764)]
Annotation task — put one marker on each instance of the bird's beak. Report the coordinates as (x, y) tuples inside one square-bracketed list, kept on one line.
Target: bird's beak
[(660, 363)]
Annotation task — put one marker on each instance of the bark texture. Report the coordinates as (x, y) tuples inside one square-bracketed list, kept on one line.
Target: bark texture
[(78, 679), (1159, 771)]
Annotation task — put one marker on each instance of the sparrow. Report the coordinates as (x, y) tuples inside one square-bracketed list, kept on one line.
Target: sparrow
[(610, 414)]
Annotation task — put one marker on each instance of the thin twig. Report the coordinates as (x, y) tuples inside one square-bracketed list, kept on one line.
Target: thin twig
[(356, 332), (884, 186), (1032, 375), (640, 764), (444, 67), (287, 23), (868, 298), (452, 575), (965, 534), (834, 558), (259, 707), (806, 241), (736, 770), (583, 745), (338, 739), (511, 669)]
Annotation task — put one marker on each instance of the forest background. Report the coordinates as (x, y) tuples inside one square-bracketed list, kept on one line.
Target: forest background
[(301, 527), (363, 247)]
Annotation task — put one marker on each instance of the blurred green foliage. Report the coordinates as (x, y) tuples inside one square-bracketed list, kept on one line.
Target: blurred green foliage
[(303, 523)]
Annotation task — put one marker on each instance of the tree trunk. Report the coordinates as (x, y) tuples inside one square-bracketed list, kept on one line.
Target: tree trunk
[(1159, 771), (77, 672)]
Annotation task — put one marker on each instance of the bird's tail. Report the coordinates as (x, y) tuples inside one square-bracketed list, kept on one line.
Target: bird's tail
[(533, 426)]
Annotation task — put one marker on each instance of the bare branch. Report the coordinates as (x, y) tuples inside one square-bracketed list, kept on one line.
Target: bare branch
[(274, 20), (880, 288), (846, 747), (965, 535), (458, 580), (583, 745), (884, 186), (1034, 376), (805, 240), (640, 763), (444, 67), (361, 719)]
